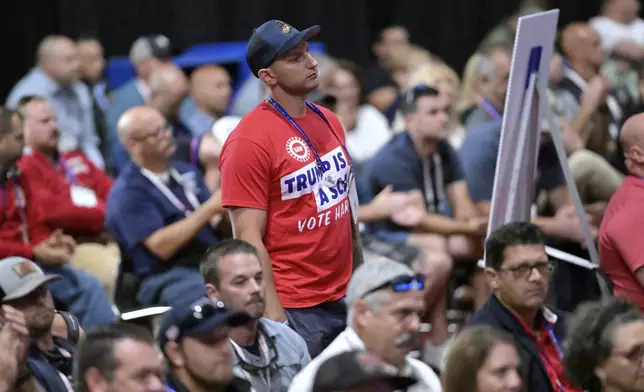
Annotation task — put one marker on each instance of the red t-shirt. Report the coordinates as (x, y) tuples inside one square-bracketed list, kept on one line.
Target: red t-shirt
[(266, 164), (621, 244)]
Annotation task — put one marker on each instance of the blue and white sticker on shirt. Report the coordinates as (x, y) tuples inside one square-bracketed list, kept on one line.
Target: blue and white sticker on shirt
[(308, 179)]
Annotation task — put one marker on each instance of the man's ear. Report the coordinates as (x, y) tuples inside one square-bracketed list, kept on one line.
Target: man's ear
[(361, 313), (492, 278), (95, 380), (212, 292), (267, 76), (174, 354)]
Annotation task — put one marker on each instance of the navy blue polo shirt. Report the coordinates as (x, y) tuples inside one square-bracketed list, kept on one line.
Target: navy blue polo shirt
[(136, 208), (478, 155), (397, 164)]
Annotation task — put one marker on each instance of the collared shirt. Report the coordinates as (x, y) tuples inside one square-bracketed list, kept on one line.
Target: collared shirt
[(292, 357), (198, 121), (349, 340), (73, 107), (549, 349), (136, 208)]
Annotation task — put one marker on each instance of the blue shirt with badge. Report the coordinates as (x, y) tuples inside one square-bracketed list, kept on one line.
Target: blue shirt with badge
[(137, 207), (397, 164)]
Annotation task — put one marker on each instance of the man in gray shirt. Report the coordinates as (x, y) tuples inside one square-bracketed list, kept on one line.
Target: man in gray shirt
[(57, 78), (267, 353)]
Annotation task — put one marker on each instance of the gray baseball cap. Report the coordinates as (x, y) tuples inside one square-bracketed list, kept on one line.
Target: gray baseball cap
[(151, 47), (19, 277), (373, 274)]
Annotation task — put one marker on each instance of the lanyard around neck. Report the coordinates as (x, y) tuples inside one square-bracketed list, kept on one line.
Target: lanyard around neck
[(163, 188), (264, 354), (317, 111), (69, 175), (490, 109)]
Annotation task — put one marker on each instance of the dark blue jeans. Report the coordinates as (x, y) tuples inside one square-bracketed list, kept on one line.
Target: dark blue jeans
[(320, 324)]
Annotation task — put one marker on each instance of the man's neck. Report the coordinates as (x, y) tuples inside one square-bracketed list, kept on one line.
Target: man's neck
[(245, 335), (615, 16), (497, 103), (46, 342), (194, 386), (295, 106), (528, 316), (586, 71), (424, 148), (49, 154), (636, 171), (157, 167)]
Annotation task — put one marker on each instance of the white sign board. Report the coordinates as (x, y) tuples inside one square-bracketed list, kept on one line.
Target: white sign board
[(516, 164)]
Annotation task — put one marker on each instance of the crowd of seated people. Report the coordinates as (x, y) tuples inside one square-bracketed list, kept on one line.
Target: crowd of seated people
[(100, 184)]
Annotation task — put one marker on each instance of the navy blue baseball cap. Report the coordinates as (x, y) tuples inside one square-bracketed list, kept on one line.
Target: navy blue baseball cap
[(197, 318), (273, 39)]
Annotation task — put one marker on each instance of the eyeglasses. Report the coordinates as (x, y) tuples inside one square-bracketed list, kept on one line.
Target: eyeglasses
[(523, 271), (401, 283), (156, 133)]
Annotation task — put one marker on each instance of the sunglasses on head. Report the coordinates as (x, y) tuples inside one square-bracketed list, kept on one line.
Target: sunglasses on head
[(402, 283), (201, 310)]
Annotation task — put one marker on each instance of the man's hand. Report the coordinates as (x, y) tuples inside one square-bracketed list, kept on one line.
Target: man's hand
[(568, 225), (595, 93), (478, 225), (14, 339), (55, 250)]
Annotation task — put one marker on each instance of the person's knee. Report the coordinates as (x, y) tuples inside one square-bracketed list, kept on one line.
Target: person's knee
[(435, 266)]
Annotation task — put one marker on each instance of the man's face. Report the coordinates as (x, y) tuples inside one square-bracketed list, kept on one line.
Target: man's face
[(40, 126), (522, 280), (64, 64), (623, 369), (241, 283), (168, 100), (12, 143), (500, 371), (430, 119), (628, 8), (499, 81), (297, 71), (140, 369), (213, 88), (394, 326), (390, 39), (589, 48), (38, 308), (92, 61), (153, 139), (208, 358)]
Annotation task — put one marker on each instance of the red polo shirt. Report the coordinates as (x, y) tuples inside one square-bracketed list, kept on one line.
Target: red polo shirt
[(59, 211), (550, 357), (621, 249)]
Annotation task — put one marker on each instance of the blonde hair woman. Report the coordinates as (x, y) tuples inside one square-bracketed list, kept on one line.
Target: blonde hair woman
[(470, 89)]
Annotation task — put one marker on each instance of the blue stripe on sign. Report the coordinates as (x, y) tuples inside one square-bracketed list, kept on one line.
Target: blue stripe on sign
[(534, 63)]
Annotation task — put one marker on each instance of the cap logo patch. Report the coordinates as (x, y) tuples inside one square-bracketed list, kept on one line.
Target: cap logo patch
[(284, 27), (24, 268)]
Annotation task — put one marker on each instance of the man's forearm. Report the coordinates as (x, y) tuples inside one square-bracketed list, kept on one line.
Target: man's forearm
[(437, 224), (165, 242)]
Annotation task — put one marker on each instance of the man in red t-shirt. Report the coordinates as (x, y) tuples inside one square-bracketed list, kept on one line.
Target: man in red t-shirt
[(621, 244), (286, 178)]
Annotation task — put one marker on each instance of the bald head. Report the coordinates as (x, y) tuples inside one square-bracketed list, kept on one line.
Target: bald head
[(168, 88), (58, 56), (631, 138), (135, 121), (581, 44), (210, 87)]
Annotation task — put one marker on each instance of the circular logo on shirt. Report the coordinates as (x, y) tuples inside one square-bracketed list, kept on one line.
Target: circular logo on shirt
[(297, 148)]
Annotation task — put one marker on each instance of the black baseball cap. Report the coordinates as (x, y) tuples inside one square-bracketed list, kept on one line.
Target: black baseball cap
[(353, 369), (273, 39), (194, 319)]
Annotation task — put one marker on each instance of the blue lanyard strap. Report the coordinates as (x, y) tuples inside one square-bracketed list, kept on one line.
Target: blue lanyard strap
[(490, 109), (69, 175), (317, 111), (555, 341)]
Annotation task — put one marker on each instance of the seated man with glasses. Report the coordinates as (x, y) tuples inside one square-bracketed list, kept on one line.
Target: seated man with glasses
[(385, 306), (160, 211), (194, 340), (518, 272)]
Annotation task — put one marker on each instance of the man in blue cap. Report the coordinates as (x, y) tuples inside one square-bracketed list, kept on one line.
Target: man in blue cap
[(287, 180), (194, 340)]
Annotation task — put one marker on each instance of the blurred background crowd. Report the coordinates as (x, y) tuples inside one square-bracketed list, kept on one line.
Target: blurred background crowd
[(80, 233)]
